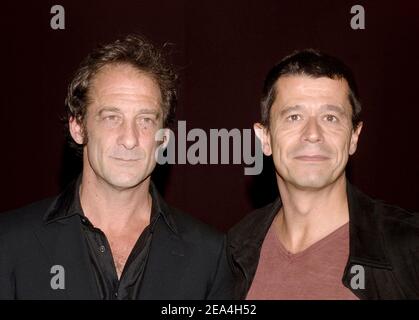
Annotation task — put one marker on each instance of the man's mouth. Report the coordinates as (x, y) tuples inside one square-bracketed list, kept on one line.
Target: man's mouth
[(127, 160), (314, 157)]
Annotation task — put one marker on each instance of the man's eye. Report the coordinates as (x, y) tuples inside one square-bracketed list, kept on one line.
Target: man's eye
[(111, 118), (146, 121), (294, 117), (331, 118)]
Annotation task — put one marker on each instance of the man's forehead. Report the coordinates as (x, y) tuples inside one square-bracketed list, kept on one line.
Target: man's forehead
[(122, 73), (115, 83), (290, 90), (311, 85)]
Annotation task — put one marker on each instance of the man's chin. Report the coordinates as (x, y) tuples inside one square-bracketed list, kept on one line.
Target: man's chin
[(311, 183), (129, 182)]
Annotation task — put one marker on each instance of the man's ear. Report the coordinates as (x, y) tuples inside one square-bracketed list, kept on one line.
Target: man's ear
[(354, 138), (76, 130), (163, 135), (263, 135)]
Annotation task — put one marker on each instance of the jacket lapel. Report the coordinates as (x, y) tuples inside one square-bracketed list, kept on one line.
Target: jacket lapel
[(61, 236), (65, 246), (167, 259), (166, 265), (366, 246), (244, 246)]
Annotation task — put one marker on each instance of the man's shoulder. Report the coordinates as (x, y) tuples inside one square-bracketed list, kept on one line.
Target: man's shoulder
[(26, 217), (396, 213), (186, 225), (399, 222), (253, 225), (247, 223), (190, 227), (399, 227), (378, 212)]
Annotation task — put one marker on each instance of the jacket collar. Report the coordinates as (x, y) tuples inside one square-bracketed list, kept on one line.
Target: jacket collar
[(68, 204), (365, 237), (245, 241)]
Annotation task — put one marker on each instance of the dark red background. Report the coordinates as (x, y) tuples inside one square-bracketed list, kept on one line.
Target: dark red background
[(224, 49)]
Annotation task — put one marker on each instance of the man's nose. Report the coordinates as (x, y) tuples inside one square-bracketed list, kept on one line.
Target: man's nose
[(129, 136), (312, 131)]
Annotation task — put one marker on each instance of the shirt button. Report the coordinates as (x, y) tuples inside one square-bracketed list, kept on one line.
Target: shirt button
[(102, 249), (83, 220)]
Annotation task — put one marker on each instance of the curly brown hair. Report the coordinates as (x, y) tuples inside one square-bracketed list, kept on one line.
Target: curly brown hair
[(134, 50)]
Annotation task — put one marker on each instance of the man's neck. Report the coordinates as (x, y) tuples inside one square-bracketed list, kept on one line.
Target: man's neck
[(308, 216), (114, 210)]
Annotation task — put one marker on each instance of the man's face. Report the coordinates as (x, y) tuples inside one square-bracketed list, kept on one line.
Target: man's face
[(310, 135), (123, 116)]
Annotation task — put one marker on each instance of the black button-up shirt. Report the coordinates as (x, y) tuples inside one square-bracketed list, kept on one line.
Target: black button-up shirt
[(103, 266)]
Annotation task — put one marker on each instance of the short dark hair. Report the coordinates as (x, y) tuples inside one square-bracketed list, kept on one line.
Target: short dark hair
[(134, 50), (312, 63)]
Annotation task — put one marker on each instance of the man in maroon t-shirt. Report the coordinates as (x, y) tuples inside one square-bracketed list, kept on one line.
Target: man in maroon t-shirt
[(322, 238)]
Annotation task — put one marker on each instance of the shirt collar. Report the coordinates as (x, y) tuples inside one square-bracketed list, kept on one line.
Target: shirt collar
[(68, 204)]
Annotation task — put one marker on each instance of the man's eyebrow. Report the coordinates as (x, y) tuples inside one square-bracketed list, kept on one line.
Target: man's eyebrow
[(332, 107), (289, 109), (108, 109), (156, 113), (149, 111), (141, 111)]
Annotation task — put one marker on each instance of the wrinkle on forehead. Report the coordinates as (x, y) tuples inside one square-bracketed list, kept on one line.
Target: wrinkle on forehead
[(123, 83), (298, 90)]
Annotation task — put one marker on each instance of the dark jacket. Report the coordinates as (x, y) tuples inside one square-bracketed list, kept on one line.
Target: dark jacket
[(187, 261), (383, 239)]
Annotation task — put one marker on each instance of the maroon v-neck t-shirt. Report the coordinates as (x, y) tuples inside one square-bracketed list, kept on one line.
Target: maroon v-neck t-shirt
[(314, 273)]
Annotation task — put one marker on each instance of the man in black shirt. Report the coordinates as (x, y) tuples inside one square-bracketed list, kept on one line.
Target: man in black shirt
[(110, 235)]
